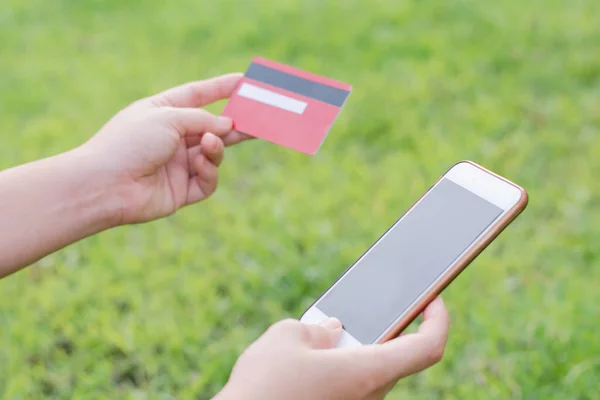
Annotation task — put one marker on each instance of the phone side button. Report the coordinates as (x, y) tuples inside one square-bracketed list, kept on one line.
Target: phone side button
[(347, 341)]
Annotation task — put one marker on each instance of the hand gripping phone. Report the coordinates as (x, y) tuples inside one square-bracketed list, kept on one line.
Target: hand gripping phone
[(390, 285)]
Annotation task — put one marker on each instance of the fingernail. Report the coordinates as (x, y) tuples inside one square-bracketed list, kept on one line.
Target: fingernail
[(210, 139), (437, 302), (331, 324)]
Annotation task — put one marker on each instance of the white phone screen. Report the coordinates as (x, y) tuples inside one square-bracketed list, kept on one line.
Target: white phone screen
[(407, 260)]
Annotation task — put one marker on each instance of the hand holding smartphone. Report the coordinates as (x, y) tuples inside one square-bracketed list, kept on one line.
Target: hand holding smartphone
[(418, 257)]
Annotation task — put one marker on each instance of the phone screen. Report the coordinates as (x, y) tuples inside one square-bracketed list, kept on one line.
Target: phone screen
[(407, 260)]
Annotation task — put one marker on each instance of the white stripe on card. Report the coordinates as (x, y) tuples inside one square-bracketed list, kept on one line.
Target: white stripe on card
[(272, 98)]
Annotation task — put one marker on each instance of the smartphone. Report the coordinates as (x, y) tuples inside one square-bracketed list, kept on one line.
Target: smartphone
[(415, 259)]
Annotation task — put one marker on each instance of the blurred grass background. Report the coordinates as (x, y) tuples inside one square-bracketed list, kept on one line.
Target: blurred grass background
[(161, 311)]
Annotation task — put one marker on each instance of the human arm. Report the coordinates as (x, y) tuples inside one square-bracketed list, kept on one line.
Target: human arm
[(151, 159), (294, 361)]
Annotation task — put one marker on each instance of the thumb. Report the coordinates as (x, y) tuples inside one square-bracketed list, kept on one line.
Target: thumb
[(406, 354), (325, 335)]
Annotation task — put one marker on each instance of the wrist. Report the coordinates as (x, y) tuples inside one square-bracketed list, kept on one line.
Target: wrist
[(95, 189)]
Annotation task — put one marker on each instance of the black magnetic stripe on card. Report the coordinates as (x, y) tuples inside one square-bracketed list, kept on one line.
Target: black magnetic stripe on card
[(296, 84)]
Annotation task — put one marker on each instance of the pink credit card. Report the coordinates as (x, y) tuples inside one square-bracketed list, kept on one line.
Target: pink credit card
[(285, 105)]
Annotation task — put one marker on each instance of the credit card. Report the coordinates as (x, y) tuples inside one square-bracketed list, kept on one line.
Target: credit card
[(286, 105)]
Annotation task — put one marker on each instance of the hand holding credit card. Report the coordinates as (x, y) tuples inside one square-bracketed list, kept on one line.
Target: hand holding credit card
[(285, 105)]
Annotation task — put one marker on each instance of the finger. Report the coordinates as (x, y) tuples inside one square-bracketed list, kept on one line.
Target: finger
[(415, 352), (407, 354), (192, 154), (195, 121), (212, 147), (436, 320), (205, 180), (235, 137), (325, 335), (193, 140), (229, 139), (195, 151), (199, 93)]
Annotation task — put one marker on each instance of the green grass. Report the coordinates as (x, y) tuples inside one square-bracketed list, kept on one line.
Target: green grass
[(162, 310)]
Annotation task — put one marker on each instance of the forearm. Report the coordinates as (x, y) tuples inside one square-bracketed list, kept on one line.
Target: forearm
[(49, 204)]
